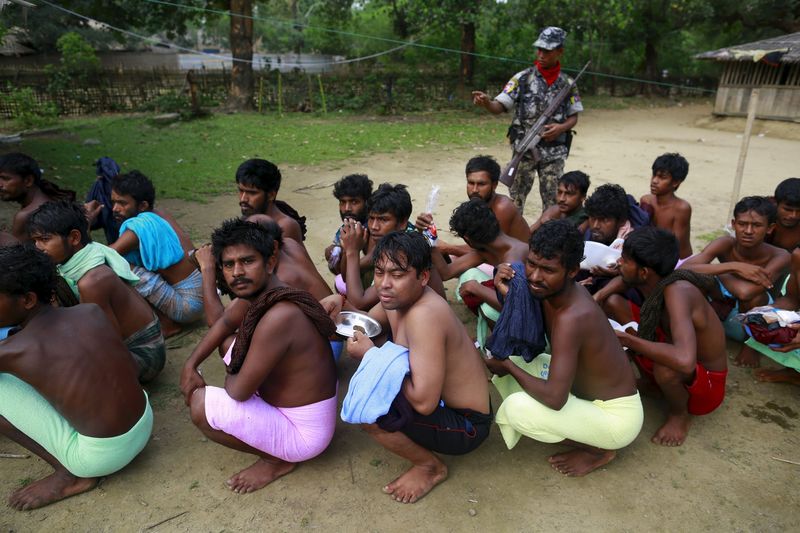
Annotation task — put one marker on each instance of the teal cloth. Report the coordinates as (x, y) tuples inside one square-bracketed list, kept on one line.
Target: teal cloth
[(90, 256), (159, 246), (486, 312)]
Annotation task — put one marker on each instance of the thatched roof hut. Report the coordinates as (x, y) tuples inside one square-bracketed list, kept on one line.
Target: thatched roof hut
[(772, 65)]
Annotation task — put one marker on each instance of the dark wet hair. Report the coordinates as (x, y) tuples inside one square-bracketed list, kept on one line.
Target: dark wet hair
[(475, 220), (576, 178), (608, 201), (558, 238), (259, 173), (25, 269), (59, 218), (354, 186), (653, 248), (484, 163), (674, 163), (23, 165), (392, 199), (136, 185), (788, 192), (760, 205), (406, 249)]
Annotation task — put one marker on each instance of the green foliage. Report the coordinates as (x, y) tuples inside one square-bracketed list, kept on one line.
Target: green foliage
[(28, 112), (178, 102), (77, 55)]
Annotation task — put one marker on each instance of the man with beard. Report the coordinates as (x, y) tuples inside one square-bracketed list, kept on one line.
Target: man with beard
[(570, 195), (99, 275), (279, 398), (583, 393), (21, 181), (483, 174), (786, 233), (747, 269), (680, 344), (258, 182), (167, 279), (352, 192)]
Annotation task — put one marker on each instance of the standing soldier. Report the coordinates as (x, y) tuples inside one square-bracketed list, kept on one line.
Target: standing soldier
[(529, 92)]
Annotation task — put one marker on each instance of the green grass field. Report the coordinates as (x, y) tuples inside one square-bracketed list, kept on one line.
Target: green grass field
[(190, 160)]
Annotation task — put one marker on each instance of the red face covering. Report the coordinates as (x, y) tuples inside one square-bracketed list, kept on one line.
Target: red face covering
[(549, 74)]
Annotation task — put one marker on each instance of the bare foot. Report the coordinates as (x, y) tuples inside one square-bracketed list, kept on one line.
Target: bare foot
[(416, 482), (258, 475), (747, 358), (55, 487), (580, 462), (783, 375), (674, 430)]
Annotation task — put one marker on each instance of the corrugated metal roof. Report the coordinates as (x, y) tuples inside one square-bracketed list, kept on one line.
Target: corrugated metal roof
[(783, 49)]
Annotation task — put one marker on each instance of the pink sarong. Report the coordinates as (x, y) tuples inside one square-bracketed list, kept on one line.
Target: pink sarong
[(293, 434)]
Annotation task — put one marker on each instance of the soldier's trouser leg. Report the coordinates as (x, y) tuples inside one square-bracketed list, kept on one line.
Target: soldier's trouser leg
[(549, 173), (523, 182)]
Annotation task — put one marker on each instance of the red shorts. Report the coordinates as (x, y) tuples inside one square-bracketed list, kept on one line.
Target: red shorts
[(706, 391)]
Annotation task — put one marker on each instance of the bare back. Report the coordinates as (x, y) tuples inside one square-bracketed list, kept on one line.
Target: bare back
[(708, 331), (601, 368), (674, 216), (296, 269), (465, 385), (512, 223), (76, 360)]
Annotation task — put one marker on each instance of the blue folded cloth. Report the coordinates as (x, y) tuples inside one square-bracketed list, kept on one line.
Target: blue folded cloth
[(375, 384), (159, 246), (106, 170), (519, 329)]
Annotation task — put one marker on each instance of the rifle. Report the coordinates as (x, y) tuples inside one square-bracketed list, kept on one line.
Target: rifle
[(533, 136)]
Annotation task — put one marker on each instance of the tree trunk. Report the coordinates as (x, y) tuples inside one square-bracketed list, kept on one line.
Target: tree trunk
[(467, 59), (240, 95), (650, 65)]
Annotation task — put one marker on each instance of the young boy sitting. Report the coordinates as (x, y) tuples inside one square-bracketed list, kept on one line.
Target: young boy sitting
[(786, 233), (68, 388), (571, 193), (667, 210)]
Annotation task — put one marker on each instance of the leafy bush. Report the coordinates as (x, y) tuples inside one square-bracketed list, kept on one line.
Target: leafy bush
[(28, 112)]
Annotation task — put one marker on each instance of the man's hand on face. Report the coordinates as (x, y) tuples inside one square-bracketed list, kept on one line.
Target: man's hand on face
[(353, 235), (358, 345)]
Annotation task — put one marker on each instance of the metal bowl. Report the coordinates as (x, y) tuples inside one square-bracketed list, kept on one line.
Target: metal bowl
[(349, 322)]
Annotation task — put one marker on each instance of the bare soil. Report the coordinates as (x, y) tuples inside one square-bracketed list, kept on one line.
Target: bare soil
[(725, 477)]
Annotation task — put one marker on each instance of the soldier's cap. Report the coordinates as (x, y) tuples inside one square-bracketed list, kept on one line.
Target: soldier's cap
[(551, 38)]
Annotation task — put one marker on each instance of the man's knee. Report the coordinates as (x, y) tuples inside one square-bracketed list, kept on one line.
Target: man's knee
[(666, 376), (197, 408)]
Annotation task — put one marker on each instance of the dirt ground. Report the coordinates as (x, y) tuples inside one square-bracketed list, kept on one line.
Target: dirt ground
[(725, 477)]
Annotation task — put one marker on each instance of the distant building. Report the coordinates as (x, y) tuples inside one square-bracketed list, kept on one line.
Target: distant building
[(772, 65)]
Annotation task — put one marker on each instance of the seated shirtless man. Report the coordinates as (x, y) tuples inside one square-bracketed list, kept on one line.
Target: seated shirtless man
[(78, 407), (446, 389), (167, 279), (474, 222), (21, 181), (680, 343), (570, 195), (483, 175), (748, 267), (279, 398), (583, 393), (99, 275), (258, 181), (786, 233), (666, 210)]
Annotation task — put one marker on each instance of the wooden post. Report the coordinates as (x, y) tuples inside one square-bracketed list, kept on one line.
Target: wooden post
[(737, 180), (322, 94), (280, 94), (260, 91)]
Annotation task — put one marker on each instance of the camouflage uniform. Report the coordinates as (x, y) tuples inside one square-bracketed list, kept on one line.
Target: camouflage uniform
[(528, 94)]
